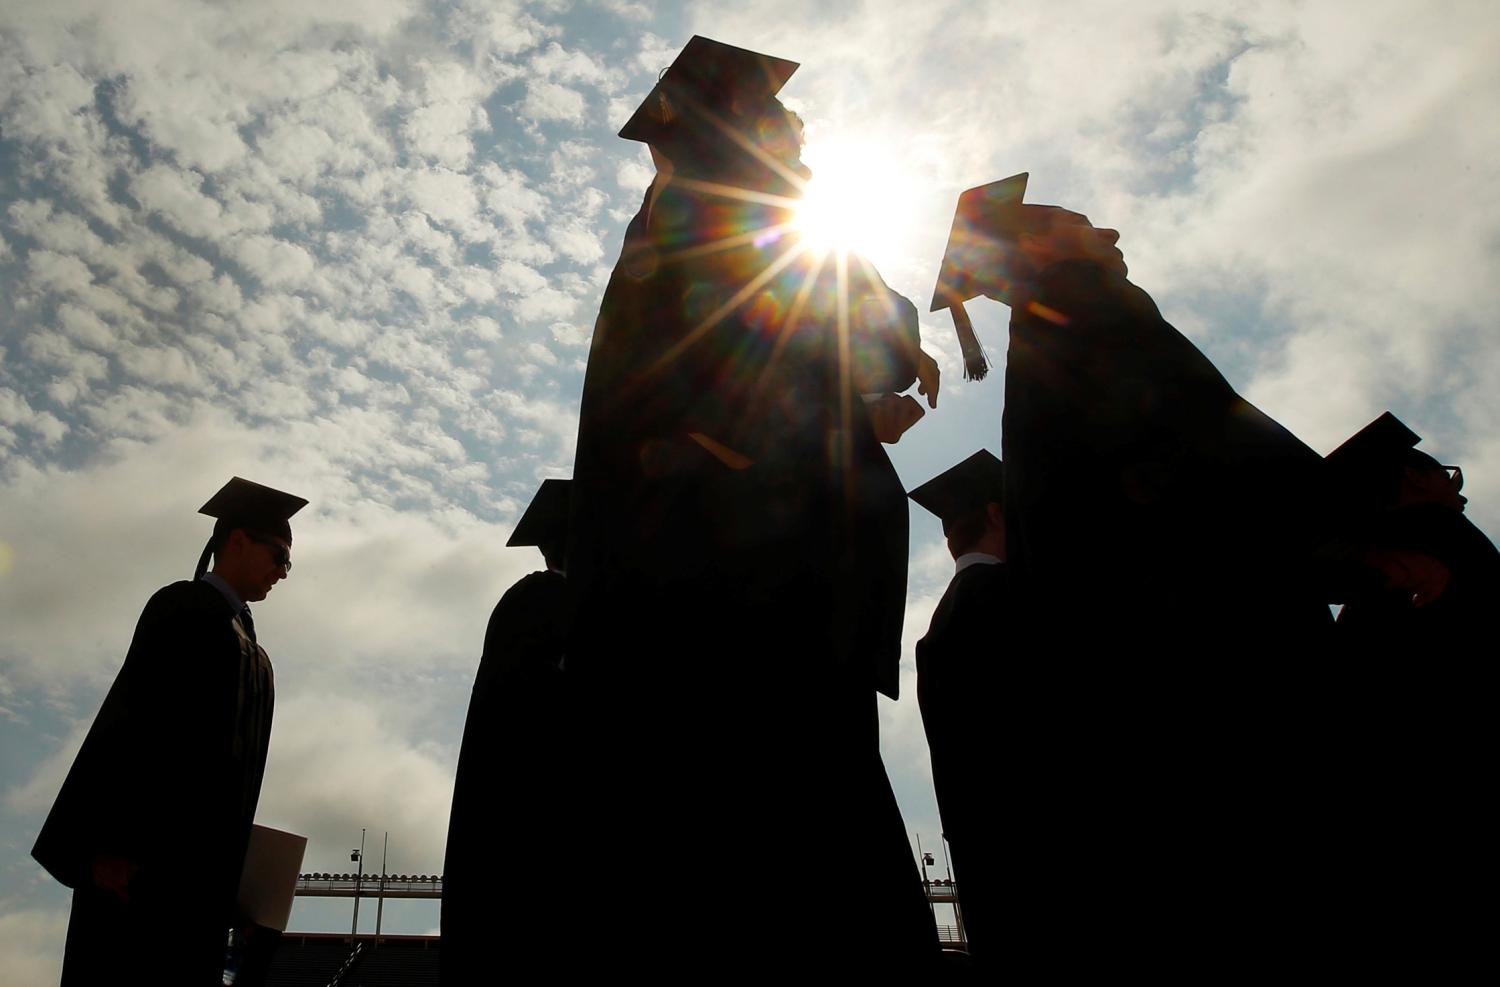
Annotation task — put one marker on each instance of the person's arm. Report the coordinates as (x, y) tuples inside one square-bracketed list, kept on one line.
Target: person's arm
[(885, 342)]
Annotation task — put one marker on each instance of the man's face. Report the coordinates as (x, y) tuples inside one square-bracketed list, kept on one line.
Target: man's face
[(1072, 237), (779, 133), (267, 561), (1434, 484)]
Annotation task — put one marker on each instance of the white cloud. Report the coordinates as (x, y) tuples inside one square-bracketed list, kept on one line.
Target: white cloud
[(274, 262), (31, 940), (338, 765), (559, 64), (634, 176), (571, 335), (16, 411), (632, 10), (176, 195), (655, 53), (553, 101), (63, 232), (449, 198), (439, 128), (576, 241), (498, 27)]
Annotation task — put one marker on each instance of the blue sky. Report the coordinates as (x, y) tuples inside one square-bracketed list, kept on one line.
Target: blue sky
[(354, 249)]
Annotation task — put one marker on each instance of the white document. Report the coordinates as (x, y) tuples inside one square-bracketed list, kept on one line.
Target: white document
[(269, 880)]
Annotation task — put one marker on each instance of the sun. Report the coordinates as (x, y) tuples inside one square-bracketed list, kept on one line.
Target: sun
[(849, 203)]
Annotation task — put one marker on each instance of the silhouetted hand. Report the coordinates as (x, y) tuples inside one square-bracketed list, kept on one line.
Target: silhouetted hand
[(1417, 573), (892, 414), (113, 874), (928, 378)]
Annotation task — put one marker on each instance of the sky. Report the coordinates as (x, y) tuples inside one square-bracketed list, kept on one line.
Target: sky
[(354, 250)]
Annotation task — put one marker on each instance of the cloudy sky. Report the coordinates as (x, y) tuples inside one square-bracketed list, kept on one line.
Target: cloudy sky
[(354, 249)]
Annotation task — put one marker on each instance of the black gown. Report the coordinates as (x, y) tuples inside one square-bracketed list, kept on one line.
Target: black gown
[(168, 779), (958, 680), (738, 547), (1159, 532), (510, 814), (1416, 738)]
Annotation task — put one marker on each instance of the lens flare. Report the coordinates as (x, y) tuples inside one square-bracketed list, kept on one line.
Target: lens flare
[(851, 202)]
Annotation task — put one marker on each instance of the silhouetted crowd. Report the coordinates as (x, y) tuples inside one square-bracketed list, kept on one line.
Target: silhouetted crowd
[(1155, 750)]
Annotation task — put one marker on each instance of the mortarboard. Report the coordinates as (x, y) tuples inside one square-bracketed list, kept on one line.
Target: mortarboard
[(986, 216), (964, 489), (1383, 442), (1367, 466), (545, 521), (710, 74), (242, 503), (253, 504)]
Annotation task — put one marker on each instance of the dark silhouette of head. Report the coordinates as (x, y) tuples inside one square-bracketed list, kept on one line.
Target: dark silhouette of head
[(714, 115), (969, 500), (1423, 480), (980, 530), (251, 544), (1379, 469), (544, 523)]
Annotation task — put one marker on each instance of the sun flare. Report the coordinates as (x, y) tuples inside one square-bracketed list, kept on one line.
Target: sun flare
[(848, 202)]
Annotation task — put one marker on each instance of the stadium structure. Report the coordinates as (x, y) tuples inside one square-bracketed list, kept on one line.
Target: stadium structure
[(319, 959)]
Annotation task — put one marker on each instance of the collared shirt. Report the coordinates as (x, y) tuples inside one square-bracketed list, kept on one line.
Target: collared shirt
[(217, 582), (974, 558)]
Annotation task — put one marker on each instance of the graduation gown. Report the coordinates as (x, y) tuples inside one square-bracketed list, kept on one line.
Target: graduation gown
[(1139, 483), (167, 778), (958, 678), (1159, 529), (1375, 619), (1414, 742), (511, 791), (738, 546)]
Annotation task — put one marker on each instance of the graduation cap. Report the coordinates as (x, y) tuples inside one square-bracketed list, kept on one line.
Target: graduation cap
[(986, 216), (545, 522), (1368, 465), (1383, 442), (963, 490), (707, 74), (242, 503)]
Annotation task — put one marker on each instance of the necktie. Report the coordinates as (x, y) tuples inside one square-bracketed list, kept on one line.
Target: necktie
[(247, 622)]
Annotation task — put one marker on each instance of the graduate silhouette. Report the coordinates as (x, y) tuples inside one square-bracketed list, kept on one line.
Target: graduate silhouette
[(171, 769), (1160, 535), (739, 543)]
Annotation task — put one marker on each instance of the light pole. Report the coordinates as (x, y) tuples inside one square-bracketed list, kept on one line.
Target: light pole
[(926, 859), (357, 855), (380, 901)]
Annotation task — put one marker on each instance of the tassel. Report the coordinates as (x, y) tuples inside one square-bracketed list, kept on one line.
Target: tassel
[(976, 363), (208, 550)]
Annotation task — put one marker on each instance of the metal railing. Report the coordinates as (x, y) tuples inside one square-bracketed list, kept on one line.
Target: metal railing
[(343, 886)]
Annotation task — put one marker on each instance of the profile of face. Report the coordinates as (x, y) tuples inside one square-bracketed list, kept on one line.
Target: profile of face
[(1433, 484), (779, 132), (253, 562), (1070, 236)]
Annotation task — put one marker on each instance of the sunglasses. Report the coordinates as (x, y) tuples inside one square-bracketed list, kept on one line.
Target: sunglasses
[(280, 556)]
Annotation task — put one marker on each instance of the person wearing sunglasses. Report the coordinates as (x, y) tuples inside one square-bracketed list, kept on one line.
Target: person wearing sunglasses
[(1425, 569), (151, 825)]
